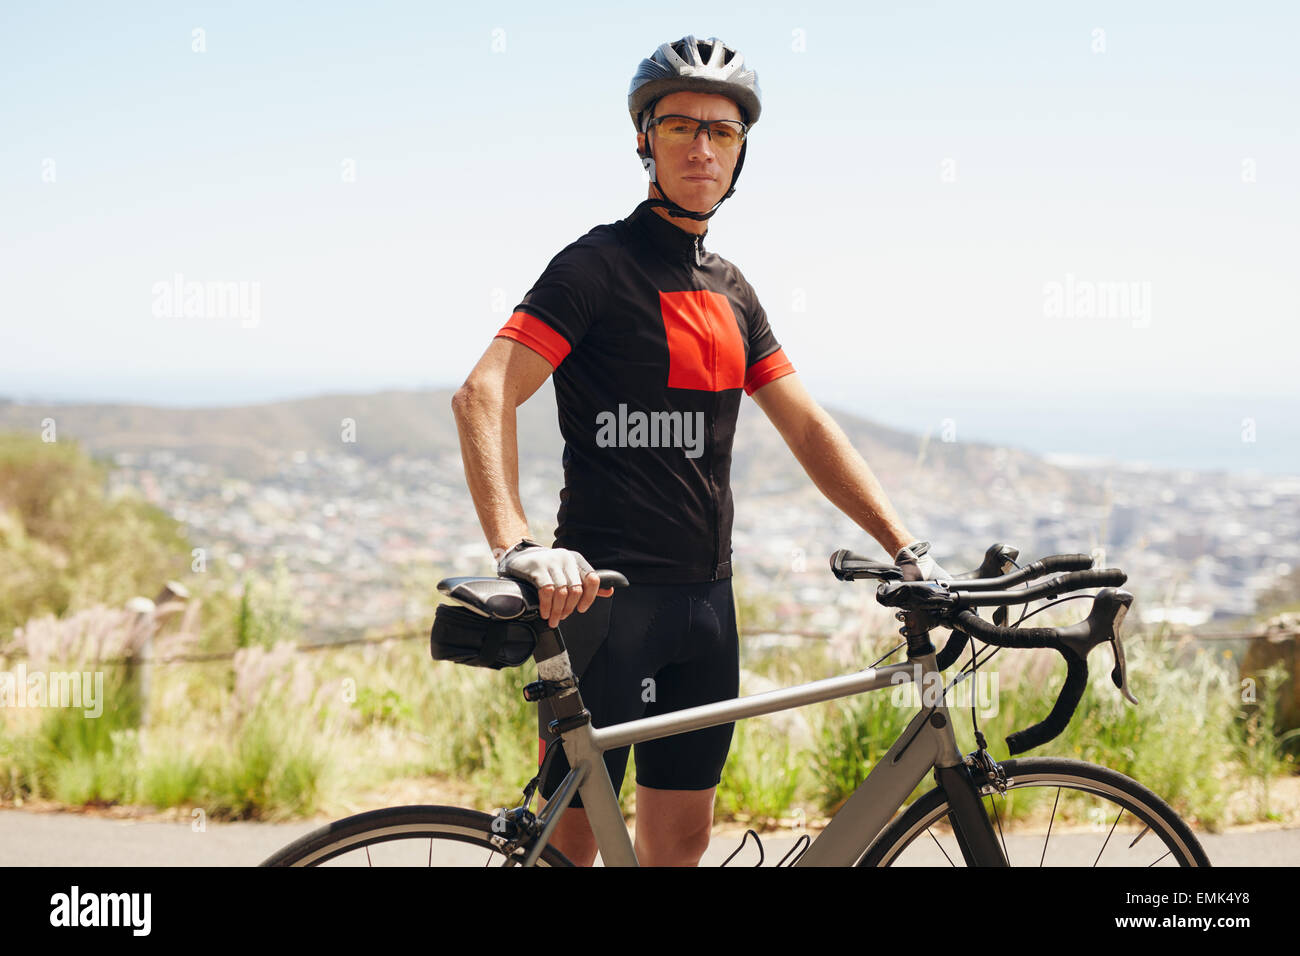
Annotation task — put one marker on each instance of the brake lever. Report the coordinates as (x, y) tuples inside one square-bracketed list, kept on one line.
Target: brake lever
[(1108, 612), (1120, 672)]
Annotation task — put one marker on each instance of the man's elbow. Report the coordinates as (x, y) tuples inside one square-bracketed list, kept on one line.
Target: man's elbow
[(475, 397), (465, 398)]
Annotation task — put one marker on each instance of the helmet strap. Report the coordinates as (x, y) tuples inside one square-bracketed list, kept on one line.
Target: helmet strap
[(674, 210)]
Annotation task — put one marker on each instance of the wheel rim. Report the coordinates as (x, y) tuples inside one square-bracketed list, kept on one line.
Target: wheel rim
[(410, 846), (1086, 823)]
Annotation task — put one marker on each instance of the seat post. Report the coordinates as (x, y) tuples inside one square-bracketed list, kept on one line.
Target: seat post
[(553, 665)]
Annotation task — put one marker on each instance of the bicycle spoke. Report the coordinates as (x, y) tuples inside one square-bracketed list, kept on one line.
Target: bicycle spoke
[(1055, 803), (1160, 857), (1006, 855), (369, 862), (941, 849), (1112, 830)]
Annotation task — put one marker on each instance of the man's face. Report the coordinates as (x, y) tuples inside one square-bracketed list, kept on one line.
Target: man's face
[(695, 174)]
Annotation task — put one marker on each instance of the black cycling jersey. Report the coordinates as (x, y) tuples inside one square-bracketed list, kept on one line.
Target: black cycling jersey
[(652, 339)]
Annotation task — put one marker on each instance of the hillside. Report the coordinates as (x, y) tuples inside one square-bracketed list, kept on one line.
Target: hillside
[(249, 440)]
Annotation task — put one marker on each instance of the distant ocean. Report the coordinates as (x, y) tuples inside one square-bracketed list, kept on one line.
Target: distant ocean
[(1205, 433)]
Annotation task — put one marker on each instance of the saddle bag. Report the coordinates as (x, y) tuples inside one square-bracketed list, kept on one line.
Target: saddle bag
[(465, 637)]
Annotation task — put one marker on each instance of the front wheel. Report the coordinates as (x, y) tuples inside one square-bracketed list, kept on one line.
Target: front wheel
[(1055, 812), (407, 836)]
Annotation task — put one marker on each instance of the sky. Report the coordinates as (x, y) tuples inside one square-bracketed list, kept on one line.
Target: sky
[(945, 207)]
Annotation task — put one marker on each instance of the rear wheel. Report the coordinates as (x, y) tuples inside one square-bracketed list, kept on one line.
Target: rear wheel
[(408, 836), (1055, 812)]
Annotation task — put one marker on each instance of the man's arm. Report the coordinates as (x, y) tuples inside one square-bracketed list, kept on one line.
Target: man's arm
[(505, 377), (831, 461)]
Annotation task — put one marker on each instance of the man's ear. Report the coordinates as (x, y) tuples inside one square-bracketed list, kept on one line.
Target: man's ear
[(640, 143)]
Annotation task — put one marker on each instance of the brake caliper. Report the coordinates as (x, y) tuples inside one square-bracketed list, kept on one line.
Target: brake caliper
[(512, 829), (987, 770)]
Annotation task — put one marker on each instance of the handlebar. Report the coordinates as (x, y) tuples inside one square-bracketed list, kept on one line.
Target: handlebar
[(1073, 643), (951, 603)]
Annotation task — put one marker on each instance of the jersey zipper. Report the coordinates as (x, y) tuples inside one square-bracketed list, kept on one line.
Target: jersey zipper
[(713, 484), (713, 497)]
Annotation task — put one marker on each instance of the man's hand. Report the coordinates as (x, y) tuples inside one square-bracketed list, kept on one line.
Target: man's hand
[(917, 564), (564, 580)]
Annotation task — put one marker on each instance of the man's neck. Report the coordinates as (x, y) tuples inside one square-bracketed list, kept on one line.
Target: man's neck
[(698, 227)]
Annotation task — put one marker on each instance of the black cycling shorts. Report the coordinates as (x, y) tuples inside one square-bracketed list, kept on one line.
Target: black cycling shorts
[(652, 649)]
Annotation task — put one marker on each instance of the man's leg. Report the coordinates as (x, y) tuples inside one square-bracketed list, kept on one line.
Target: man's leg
[(672, 826), (573, 836), (588, 639), (677, 776)]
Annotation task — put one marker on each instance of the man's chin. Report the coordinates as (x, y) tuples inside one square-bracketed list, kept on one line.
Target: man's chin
[(696, 199)]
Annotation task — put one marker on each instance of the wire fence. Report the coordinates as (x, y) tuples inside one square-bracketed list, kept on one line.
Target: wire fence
[(308, 647)]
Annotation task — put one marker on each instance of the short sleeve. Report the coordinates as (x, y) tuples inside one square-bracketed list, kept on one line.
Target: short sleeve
[(560, 307), (767, 361)]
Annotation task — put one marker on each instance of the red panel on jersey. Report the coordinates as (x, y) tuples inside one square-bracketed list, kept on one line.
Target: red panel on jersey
[(705, 350)]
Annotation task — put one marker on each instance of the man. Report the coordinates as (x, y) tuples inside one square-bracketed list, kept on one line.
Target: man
[(651, 339)]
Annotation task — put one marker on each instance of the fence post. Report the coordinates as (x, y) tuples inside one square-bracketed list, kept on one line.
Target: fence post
[(140, 659)]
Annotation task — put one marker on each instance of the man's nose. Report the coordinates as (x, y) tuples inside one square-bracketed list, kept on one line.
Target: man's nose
[(703, 142)]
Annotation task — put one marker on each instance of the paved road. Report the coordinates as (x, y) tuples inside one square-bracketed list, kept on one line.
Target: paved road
[(66, 839)]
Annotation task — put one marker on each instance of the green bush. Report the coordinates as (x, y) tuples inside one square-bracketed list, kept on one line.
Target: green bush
[(64, 546)]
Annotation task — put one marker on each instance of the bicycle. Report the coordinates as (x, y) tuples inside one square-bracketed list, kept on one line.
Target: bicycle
[(868, 829)]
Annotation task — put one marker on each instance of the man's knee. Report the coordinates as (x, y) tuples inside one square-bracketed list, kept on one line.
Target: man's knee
[(573, 837), (674, 827)]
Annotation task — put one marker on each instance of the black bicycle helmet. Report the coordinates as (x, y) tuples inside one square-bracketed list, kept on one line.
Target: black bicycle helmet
[(708, 66)]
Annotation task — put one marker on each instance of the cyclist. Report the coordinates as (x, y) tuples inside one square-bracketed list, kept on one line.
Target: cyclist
[(650, 340)]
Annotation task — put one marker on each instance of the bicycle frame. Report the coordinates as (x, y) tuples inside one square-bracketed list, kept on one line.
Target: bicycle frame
[(927, 742)]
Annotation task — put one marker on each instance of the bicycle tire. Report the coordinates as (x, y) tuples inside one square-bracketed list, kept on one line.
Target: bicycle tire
[(1047, 773), (452, 834)]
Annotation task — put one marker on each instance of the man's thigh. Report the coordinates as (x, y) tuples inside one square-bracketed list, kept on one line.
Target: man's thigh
[(705, 670), (610, 651)]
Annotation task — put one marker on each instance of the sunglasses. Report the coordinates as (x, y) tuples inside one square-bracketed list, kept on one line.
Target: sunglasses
[(679, 130)]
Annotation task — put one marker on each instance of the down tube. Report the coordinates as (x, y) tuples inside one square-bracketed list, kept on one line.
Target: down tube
[(877, 798)]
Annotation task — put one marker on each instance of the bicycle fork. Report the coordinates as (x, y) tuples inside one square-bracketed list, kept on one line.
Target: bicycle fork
[(970, 824)]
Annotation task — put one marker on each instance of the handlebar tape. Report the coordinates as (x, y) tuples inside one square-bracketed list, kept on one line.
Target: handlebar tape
[(1066, 562), (1076, 682), (1076, 678), (957, 641), (1095, 578), (976, 626)]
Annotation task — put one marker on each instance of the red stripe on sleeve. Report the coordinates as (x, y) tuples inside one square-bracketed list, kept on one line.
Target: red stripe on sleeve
[(537, 335), (767, 370)]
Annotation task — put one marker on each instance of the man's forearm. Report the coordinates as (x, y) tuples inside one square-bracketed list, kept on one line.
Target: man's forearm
[(489, 450), (847, 481)]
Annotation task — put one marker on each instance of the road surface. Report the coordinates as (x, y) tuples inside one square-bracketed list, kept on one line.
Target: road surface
[(72, 839)]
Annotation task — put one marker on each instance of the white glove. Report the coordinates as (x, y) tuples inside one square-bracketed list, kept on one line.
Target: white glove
[(917, 564), (557, 573)]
